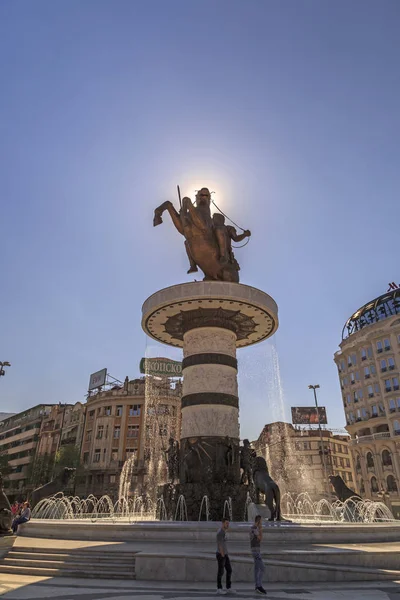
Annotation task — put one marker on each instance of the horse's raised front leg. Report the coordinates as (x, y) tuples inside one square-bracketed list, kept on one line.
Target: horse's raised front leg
[(175, 216)]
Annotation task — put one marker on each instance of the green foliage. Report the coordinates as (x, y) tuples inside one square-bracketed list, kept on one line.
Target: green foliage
[(40, 470), (67, 456), (5, 468)]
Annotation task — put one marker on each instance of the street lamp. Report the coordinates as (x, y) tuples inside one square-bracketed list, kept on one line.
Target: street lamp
[(2, 365), (314, 388)]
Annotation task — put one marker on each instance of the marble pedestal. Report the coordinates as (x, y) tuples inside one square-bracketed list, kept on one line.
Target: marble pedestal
[(210, 320)]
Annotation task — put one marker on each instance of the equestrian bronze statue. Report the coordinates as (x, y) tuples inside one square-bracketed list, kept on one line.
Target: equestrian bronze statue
[(208, 241)]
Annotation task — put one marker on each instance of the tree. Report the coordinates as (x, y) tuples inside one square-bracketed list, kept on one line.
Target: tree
[(67, 456), (5, 468)]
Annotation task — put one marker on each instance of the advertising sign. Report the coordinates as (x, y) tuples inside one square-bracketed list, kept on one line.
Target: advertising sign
[(97, 379), (307, 415), (161, 367)]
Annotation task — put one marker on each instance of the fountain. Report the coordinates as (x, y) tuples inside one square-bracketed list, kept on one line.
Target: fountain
[(210, 321)]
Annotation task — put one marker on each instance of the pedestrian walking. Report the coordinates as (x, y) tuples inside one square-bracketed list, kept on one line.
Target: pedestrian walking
[(256, 536), (224, 564)]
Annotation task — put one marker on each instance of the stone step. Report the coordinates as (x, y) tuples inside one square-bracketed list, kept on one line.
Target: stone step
[(77, 552), (63, 572), (80, 558), (58, 564)]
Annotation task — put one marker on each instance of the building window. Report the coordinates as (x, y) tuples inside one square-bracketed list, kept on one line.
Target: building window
[(370, 460), (362, 486), (349, 361), (377, 388), (388, 385), (345, 450), (367, 373), (134, 411), (114, 454), (379, 347), (398, 403), (395, 383), (352, 378), (373, 370), (369, 352), (391, 484), (118, 411), (133, 431), (386, 458), (107, 411), (374, 485), (112, 478), (89, 435), (100, 431), (96, 456), (357, 376), (374, 411), (85, 458), (342, 366), (386, 344), (363, 354), (91, 414), (383, 365), (396, 427), (350, 476), (381, 409), (104, 454), (370, 391), (348, 397), (347, 463), (117, 432), (130, 453), (391, 364), (392, 405)]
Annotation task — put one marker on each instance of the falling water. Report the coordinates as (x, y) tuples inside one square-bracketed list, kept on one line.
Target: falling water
[(204, 502), (181, 511)]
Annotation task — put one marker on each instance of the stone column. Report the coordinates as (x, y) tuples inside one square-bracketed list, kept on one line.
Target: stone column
[(210, 406)]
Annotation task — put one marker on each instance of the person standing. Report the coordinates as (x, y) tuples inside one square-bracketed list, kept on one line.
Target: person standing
[(256, 536), (23, 518), (223, 558)]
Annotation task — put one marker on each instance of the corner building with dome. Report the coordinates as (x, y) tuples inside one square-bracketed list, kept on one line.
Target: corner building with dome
[(369, 370)]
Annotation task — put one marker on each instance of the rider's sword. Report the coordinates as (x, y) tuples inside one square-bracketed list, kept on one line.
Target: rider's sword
[(179, 196)]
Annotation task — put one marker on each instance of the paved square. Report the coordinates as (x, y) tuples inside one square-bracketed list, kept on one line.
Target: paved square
[(38, 588)]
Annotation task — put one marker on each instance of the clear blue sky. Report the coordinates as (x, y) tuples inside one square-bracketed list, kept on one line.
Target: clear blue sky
[(289, 110)]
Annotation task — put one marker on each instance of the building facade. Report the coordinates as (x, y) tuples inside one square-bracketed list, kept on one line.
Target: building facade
[(131, 421), (299, 463), (368, 365), (61, 430), (19, 438)]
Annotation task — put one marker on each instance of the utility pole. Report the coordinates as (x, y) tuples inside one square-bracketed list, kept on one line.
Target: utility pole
[(315, 388)]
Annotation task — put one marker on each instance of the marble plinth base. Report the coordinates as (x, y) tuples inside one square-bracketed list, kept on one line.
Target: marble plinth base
[(217, 494)]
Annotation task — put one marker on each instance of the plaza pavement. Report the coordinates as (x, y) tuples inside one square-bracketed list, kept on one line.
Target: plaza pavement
[(23, 587)]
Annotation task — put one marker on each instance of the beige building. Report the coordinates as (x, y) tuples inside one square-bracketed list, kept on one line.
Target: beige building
[(298, 463), (19, 438), (134, 420), (368, 363), (61, 427)]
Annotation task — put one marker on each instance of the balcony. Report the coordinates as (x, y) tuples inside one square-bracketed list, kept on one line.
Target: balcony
[(369, 438), (367, 376), (383, 369), (387, 348)]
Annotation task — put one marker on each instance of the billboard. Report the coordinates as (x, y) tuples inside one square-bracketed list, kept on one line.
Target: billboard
[(161, 367), (97, 379), (307, 415)]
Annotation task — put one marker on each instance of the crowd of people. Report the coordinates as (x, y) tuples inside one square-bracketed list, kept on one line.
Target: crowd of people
[(21, 512)]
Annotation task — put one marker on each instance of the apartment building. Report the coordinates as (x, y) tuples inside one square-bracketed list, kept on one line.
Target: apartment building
[(19, 438), (299, 463), (368, 366), (130, 421)]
